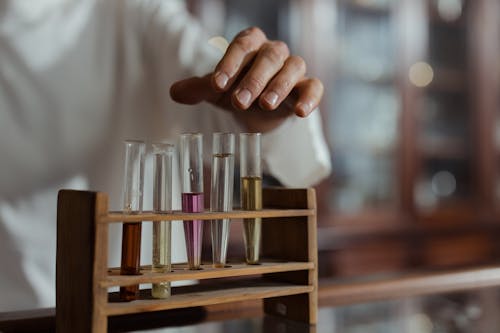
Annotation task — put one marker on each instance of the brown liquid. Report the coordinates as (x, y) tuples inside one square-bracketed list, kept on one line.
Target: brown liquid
[(131, 255)]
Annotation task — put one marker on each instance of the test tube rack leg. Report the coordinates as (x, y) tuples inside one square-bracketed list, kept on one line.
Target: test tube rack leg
[(286, 279)]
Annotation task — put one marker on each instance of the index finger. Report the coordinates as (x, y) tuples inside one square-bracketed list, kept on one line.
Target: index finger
[(240, 53), (310, 92)]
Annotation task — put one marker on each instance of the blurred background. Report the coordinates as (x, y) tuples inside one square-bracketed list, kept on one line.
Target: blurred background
[(411, 113)]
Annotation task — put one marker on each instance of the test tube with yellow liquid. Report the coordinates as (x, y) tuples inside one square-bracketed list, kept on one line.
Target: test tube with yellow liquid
[(162, 203), (251, 193)]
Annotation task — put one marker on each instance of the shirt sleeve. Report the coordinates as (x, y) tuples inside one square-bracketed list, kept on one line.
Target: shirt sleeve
[(171, 40), (296, 152)]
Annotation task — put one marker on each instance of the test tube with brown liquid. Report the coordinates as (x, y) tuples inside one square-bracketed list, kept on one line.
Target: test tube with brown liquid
[(133, 187)]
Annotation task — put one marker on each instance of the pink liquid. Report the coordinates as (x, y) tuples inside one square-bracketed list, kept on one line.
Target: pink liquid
[(192, 202), (193, 229)]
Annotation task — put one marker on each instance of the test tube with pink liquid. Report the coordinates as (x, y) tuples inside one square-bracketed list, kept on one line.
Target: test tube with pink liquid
[(191, 163)]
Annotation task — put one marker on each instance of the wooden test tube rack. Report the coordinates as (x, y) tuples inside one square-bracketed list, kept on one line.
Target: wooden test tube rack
[(286, 279)]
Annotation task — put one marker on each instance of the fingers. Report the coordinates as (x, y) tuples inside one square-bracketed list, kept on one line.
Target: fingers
[(310, 92), (258, 74), (269, 61), (282, 84), (193, 90), (239, 54)]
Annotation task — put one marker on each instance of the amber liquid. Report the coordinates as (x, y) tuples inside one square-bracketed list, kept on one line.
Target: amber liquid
[(131, 254), (162, 236), (251, 199)]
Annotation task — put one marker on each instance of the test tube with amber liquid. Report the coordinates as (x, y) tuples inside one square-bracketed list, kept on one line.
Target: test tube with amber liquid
[(133, 186), (191, 155), (162, 203), (251, 193), (221, 193)]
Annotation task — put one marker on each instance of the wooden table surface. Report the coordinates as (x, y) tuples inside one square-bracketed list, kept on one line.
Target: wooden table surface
[(383, 302)]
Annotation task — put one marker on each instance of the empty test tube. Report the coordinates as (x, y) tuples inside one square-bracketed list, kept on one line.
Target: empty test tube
[(191, 155), (133, 187), (221, 193), (162, 202), (251, 192)]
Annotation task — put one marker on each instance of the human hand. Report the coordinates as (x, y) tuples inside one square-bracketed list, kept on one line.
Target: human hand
[(258, 80)]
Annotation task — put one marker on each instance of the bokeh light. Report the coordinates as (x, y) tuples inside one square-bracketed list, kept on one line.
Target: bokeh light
[(443, 183), (450, 10), (421, 74)]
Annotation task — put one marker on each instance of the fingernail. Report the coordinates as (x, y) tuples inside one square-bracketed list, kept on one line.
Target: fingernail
[(243, 96), (271, 98), (305, 108), (221, 80)]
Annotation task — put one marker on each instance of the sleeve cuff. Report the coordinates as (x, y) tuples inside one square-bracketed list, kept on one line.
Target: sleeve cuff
[(296, 152)]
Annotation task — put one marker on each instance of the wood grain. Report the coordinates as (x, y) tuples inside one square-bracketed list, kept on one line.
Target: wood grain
[(225, 292), (288, 280), (181, 272), (297, 242), (334, 294), (99, 319), (75, 261), (115, 217)]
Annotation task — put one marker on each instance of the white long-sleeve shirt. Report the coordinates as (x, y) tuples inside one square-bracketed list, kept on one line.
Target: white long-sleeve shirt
[(76, 79)]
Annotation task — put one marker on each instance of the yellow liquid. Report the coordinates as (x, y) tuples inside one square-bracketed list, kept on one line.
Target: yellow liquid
[(251, 199), (251, 193), (162, 236)]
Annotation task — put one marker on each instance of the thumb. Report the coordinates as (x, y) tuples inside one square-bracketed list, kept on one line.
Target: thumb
[(194, 90)]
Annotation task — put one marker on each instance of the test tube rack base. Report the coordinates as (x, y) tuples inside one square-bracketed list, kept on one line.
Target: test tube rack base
[(285, 280)]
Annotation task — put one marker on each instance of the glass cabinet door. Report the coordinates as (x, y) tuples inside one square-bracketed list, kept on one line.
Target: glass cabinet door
[(445, 120), (363, 108)]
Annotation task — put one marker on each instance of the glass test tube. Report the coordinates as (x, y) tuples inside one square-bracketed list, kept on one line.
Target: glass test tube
[(162, 202), (221, 194), (133, 186), (191, 153), (251, 192)]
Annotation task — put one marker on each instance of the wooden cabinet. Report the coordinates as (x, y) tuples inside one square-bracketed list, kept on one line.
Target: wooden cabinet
[(411, 113), (442, 173)]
